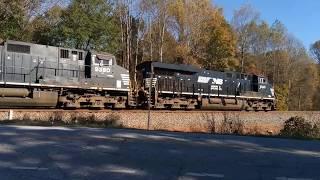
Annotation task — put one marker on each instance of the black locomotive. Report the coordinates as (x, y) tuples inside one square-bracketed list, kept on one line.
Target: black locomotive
[(188, 87), (33, 75)]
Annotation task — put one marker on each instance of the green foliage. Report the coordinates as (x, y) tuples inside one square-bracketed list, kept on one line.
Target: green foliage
[(12, 15), (282, 92), (83, 25), (46, 28), (89, 24), (298, 127)]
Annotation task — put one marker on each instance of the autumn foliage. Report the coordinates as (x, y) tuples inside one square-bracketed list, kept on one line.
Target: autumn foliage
[(173, 31)]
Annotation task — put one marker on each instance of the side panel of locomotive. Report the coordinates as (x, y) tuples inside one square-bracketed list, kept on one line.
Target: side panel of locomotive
[(188, 87), (33, 64), (59, 76)]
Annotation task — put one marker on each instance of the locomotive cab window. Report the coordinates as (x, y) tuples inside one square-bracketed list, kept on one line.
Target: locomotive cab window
[(80, 56), (97, 61), (106, 62), (64, 53), (103, 62), (262, 80)]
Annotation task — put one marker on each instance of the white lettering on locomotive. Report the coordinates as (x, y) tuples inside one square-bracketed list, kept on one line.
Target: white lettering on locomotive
[(202, 79), (216, 88), (262, 87)]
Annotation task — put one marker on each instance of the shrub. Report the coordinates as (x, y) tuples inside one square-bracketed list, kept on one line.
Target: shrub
[(298, 127), (76, 119), (112, 120), (56, 118), (86, 120), (232, 124), (211, 122)]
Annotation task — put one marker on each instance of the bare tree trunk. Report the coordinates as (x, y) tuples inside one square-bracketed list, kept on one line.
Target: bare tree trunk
[(242, 59), (161, 41), (137, 51), (122, 39), (128, 37), (150, 37)]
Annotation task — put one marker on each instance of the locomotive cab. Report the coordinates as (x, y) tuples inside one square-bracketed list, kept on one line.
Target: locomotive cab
[(102, 71), (261, 85), (101, 65)]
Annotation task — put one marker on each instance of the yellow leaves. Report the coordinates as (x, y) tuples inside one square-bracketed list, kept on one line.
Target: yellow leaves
[(233, 64), (182, 52), (203, 35), (282, 92)]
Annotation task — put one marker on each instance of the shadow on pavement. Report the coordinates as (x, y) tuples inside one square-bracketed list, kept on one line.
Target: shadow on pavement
[(83, 153)]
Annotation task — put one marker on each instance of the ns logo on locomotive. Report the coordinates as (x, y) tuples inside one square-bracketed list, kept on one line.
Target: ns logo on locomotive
[(34, 75)]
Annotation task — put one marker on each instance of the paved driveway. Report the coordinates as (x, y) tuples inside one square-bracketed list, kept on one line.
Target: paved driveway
[(84, 153)]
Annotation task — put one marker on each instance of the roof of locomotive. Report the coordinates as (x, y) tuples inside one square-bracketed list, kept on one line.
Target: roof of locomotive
[(38, 44), (185, 68), (176, 67)]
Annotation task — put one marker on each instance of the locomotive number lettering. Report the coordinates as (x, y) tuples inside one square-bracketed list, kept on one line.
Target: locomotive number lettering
[(262, 87), (102, 70), (215, 87)]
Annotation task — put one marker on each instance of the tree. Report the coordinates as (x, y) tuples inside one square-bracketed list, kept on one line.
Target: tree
[(203, 35), (221, 46), (90, 24), (315, 51), (282, 92), (15, 18), (45, 28), (242, 21)]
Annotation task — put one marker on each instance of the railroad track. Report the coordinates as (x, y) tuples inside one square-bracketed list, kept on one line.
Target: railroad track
[(140, 111)]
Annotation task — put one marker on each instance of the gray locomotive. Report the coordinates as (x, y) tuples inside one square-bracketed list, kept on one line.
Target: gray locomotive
[(33, 75)]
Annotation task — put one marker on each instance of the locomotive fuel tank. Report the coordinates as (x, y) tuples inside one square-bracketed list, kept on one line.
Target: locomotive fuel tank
[(44, 99), (14, 92)]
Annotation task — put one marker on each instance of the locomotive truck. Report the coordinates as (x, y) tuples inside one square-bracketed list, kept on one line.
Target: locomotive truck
[(42, 76)]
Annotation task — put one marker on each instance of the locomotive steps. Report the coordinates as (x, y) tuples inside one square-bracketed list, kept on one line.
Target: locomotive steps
[(239, 122)]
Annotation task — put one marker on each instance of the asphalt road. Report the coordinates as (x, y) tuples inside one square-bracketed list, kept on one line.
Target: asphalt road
[(82, 153)]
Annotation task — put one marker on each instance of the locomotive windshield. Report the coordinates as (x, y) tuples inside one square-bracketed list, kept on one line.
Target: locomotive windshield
[(103, 61)]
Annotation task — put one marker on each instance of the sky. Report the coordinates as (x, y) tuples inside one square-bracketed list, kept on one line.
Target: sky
[(301, 17)]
